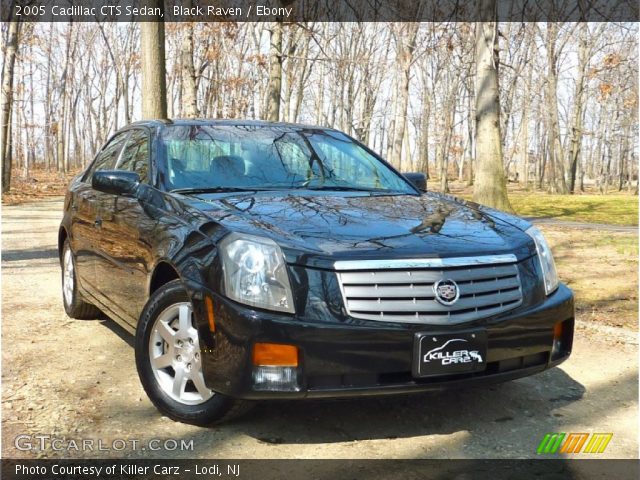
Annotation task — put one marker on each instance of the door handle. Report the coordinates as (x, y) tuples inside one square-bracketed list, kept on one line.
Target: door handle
[(98, 223)]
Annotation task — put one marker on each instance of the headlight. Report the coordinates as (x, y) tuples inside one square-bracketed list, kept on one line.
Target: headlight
[(255, 272), (546, 260)]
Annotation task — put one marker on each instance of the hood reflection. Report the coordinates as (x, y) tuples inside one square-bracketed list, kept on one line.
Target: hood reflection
[(366, 226)]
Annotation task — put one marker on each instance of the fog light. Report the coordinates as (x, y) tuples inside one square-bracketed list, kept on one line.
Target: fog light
[(271, 378), (275, 367)]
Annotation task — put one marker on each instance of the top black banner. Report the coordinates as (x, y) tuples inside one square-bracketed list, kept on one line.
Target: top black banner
[(319, 10)]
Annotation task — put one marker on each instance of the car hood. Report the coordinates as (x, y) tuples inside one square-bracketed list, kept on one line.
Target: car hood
[(319, 228)]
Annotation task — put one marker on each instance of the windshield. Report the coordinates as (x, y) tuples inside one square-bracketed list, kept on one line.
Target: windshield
[(247, 157)]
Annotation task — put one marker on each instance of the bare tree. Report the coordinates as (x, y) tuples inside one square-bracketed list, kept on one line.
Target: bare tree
[(154, 86), (578, 112), (405, 44), (490, 182), (275, 72), (188, 72), (6, 99), (557, 181), (74, 85)]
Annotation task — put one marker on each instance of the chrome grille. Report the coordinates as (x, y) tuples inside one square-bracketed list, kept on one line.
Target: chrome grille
[(403, 290)]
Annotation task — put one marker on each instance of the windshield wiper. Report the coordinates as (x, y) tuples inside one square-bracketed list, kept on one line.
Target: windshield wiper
[(349, 189), (212, 190)]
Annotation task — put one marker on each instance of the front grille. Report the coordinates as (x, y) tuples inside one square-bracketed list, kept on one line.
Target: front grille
[(403, 291)]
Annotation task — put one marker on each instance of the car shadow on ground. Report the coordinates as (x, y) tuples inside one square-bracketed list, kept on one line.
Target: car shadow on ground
[(125, 336), (503, 420), (475, 409), (29, 254)]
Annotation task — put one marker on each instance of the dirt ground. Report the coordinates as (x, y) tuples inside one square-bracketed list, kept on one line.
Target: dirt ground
[(76, 379)]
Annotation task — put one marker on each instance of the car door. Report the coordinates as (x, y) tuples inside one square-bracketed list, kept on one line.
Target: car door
[(84, 205), (126, 255)]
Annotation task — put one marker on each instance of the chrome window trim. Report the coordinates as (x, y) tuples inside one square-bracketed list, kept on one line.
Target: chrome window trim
[(345, 265)]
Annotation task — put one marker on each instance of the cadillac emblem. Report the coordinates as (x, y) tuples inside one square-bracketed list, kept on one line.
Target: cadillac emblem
[(447, 292)]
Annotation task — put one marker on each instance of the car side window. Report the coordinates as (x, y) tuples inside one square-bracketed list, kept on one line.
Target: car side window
[(135, 156), (107, 158)]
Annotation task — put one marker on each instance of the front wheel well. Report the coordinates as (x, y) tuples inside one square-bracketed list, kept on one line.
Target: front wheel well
[(62, 237), (162, 274)]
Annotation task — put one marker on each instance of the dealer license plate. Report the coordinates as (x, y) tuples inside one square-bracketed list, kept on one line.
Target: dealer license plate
[(449, 353)]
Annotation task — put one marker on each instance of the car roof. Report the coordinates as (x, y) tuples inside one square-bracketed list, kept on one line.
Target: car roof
[(221, 122)]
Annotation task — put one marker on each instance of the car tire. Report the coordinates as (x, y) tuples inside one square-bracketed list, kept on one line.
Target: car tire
[(168, 351), (74, 304)]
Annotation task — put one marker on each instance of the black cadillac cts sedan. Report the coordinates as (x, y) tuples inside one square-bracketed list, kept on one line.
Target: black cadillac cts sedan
[(260, 260)]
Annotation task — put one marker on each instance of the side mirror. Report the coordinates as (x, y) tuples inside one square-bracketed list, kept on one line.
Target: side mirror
[(116, 182), (419, 180)]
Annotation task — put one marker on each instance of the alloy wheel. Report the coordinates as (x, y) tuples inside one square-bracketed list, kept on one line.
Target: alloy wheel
[(174, 353), (67, 276)]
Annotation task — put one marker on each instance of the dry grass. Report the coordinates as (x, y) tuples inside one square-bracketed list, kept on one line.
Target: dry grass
[(614, 208), (602, 269)]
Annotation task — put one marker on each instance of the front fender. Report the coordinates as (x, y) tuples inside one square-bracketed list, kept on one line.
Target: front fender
[(186, 239)]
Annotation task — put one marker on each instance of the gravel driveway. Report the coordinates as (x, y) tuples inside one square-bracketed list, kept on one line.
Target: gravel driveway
[(77, 379)]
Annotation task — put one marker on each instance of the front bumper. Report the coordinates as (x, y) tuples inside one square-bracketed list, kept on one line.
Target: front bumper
[(356, 357)]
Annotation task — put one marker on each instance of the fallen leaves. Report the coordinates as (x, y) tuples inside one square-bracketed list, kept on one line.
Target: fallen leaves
[(39, 184)]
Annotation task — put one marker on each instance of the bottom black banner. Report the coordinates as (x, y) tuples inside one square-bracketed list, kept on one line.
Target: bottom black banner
[(318, 469)]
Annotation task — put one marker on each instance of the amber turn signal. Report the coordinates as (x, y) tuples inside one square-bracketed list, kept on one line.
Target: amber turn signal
[(275, 354), (208, 303), (557, 331)]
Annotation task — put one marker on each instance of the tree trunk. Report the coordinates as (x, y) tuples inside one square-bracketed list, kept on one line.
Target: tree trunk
[(392, 121), (60, 146), (524, 131), (578, 114), (524, 145), (557, 182), (303, 76), (5, 103), (154, 81), (190, 92), (32, 135), (624, 173), (274, 90), (18, 119), (62, 107), (68, 89), (449, 120), (406, 46), (490, 184), (320, 97), (580, 175), (424, 132), (470, 136), (48, 144), (292, 74)]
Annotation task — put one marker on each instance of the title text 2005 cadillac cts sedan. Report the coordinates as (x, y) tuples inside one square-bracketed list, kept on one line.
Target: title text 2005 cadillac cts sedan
[(259, 261)]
